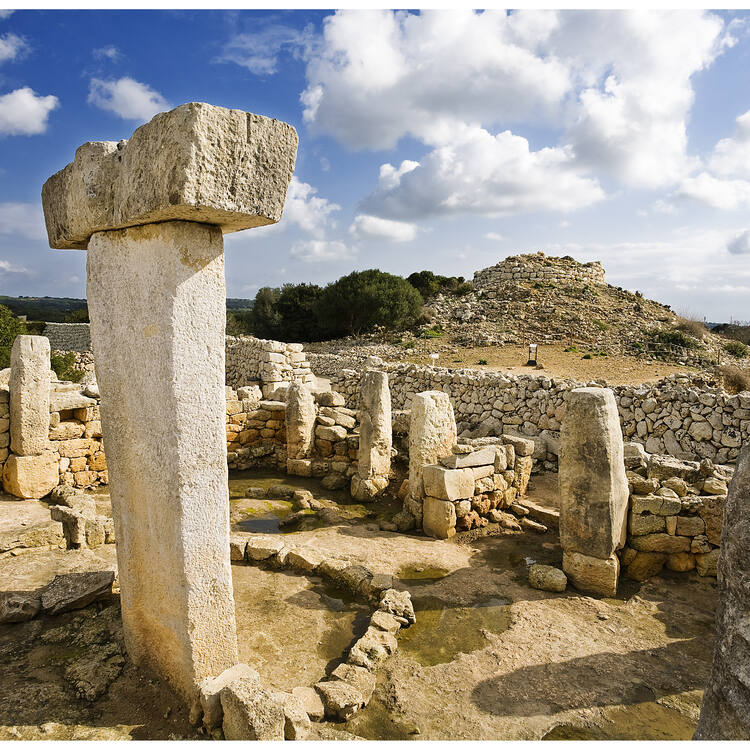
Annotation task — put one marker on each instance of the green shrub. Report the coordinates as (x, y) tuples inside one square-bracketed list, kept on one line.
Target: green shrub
[(463, 289), (10, 327), (736, 349), (600, 324), (570, 349), (483, 362), (586, 356), (435, 332), (64, 367), (671, 337)]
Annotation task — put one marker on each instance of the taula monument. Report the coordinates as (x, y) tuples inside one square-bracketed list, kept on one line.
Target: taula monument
[(151, 212)]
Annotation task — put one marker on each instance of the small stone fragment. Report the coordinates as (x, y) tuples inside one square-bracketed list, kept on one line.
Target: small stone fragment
[(311, 702), (296, 720), (547, 578), (341, 700), (250, 713)]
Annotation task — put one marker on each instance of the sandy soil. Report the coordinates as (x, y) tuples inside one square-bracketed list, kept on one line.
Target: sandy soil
[(489, 657), (615, 369)]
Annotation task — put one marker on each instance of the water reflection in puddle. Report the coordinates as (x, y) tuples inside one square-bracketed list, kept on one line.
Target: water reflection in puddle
[(442, 632)]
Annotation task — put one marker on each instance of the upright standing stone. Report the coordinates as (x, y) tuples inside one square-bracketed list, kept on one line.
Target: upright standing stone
[(300, 421), (29, 395), (375, 437), (725, 711), (432, 435), (593, 490), (156, 298)]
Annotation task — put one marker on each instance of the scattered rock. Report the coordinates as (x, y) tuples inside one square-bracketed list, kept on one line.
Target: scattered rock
[(75, 590), (547, 578), (250, 713)]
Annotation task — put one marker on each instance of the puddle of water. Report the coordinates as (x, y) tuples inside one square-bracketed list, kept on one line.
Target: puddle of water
[(291, 628), (442, 632), (415, 575), (516, 553), (639, 721)]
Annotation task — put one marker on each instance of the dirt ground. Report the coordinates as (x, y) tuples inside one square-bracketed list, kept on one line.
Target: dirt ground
[(555, 362), (489, 657)]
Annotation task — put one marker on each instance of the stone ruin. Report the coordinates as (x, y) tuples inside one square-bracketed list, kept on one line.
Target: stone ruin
[(171, 427)]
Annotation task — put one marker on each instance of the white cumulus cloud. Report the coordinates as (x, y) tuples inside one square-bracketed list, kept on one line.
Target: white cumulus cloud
[(365, 226), (740, 245), (728, 195), (379, 75), (313, 251), (306, 209), (494, 236), (481, 173), (11, 46), (23, 112), (127, 98)]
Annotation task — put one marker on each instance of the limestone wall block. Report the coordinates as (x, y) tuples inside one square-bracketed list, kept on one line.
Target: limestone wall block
[(448, 484), (30, 477), (29, 395), (168, 171)]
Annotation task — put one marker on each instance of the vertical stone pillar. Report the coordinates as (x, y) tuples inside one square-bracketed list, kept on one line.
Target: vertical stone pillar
[(375, 437), (432, 435), (593, 490), (160, 370), (31, 469), (725, 711), (29, 395), (300, 428), (151, 212)]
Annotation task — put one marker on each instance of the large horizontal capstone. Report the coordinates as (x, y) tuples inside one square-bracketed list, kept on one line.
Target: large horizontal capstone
[(197, 163)]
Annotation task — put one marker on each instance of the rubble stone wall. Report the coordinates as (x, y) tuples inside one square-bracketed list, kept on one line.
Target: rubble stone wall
[(272, 363), (675, 514), (677, 415), (68, 337), (539, 268)]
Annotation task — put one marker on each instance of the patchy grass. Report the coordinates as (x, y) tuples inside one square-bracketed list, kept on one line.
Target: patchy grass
[(733, 378), (736, 349)]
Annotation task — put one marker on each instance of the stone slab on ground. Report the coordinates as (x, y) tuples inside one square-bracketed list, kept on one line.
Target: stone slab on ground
[(27, 524), (75, 590)]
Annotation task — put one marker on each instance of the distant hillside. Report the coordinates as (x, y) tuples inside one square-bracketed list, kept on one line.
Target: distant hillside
[(733, 331), (59, 309), (49, 309)]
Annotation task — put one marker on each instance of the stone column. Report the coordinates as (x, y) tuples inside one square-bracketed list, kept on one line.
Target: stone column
[(725, 711), (593, 490), (432, 435), (31, 470), (151, 212), (300, 429), (375, 437)]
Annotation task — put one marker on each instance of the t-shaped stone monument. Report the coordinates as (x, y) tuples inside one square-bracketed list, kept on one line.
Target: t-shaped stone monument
[(151, 212)]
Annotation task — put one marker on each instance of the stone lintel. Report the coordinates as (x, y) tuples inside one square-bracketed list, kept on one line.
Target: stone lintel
[(197, 163)]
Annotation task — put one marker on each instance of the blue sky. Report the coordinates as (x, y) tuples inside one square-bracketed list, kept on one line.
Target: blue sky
[(441, 140)]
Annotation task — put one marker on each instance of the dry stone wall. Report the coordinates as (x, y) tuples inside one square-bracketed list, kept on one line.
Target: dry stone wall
[(675, 514), (679, 416), (539, 268), (273, 363), (68, 337)]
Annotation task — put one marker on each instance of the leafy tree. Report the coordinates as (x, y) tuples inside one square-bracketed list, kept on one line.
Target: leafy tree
[(359, 302), (298, 310), (264, 318), (428, 283), (10, 327)]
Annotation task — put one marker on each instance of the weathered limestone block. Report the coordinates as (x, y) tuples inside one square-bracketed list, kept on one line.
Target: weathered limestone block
[(197, 163), (547, 578), (250, 713), (439, 518), (208, 701), (725, 711), (592, 575), (593, 486), (375, 436), (30, 477), (300, 421), (29, 395), (432, 434), (160, 370), (448, 484)]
